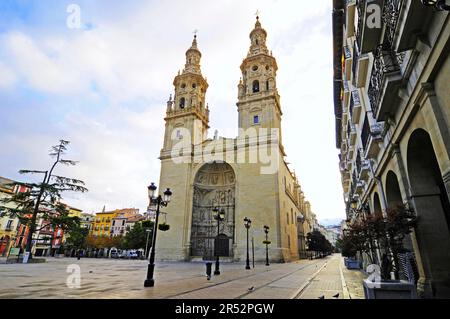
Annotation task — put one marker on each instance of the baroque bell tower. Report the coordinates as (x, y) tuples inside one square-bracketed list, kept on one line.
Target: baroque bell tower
[(187, 112), (258, 99)]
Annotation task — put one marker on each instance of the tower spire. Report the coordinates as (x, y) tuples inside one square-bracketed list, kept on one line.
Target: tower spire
[(193, 56)]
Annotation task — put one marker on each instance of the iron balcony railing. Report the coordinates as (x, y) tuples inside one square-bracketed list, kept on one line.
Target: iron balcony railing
[(361, 7), (385, 61), (355, 62), (390, 15)]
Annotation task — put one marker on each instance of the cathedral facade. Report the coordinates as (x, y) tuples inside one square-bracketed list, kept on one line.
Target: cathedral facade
[(245, 176)]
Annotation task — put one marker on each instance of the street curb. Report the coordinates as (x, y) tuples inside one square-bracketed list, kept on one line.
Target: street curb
[(297, 294), (346, 294)]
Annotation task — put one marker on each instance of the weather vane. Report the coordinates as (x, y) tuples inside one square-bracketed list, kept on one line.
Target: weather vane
[(257, 14)]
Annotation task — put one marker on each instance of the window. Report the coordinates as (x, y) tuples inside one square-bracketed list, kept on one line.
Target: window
[(287, 218), (256, 119), (114, 222), (123, 222), (9, 224), (179, 136), (182, 102), (255, 68), (255, 86), (183, 85), (267, 85)]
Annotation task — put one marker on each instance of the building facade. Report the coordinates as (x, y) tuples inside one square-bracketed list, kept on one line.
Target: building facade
[(103, 221), (392, 108), (8, 225), (228, 173)]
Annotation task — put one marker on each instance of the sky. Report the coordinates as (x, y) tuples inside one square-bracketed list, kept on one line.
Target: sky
[(104, 87)]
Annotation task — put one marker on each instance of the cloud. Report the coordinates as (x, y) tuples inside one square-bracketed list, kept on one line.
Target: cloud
[(7, 76), (104, 88)]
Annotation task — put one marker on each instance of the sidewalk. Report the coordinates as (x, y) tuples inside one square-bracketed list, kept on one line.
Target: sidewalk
[(354, 280), (334, 281)]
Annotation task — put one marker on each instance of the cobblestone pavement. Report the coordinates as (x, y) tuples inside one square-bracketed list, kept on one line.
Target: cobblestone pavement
[(106, 278)]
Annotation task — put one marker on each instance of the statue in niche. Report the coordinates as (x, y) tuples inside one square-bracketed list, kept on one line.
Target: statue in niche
[(223, 197), (214, 179)]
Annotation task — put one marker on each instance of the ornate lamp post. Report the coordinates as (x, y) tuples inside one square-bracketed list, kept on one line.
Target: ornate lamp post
[(266, 230), (247, 224), (438, 4), (158, 201), (219, 215)]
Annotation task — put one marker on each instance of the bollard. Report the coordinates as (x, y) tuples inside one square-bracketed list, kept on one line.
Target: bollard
[(208, 269)]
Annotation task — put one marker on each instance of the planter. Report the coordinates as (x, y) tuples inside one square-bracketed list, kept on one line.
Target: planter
[(353, 264), (163, 227), (389, 289)]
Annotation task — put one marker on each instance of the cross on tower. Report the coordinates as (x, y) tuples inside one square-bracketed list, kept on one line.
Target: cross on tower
[(257, 14), (195, 33)]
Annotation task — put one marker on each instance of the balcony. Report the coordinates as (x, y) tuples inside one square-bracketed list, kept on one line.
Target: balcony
[(350, 18), (360, 73), (367, 36), (375, 140), (360, 186), (344, 114), (352, 134), (355, 106), (344, 146), (414, 16), (365, 170), (385, 80), (350, 153)]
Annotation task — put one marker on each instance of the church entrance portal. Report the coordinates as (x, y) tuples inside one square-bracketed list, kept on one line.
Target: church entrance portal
[(214, 186)]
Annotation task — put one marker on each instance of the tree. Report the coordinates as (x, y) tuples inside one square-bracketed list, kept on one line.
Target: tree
[(383, 233), (318, 243), (77, 237), (42, 201), (136, 238)]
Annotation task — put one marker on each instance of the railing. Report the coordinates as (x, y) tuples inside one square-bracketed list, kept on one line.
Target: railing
[(391, 11), (361, 7), (365, 133), (355, 61), (385, 61)]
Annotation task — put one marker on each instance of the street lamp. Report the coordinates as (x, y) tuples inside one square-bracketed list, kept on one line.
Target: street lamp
[(438, 4), (146, 243), (266, 230), (219, 215), (157, 201), (247, 224)]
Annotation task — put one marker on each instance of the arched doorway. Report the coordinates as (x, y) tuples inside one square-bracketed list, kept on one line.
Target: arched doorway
[(433, 209), (214, 186), (377, 211), (393, 195)]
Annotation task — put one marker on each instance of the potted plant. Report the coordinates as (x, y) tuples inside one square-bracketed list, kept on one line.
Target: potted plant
[(385, 234), (164, 227)]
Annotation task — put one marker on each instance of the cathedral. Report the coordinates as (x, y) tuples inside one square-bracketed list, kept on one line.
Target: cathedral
[(245, 176)]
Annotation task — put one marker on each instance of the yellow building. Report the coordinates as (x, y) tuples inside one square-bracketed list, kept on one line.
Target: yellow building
[(102, 223), (74, 212)]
